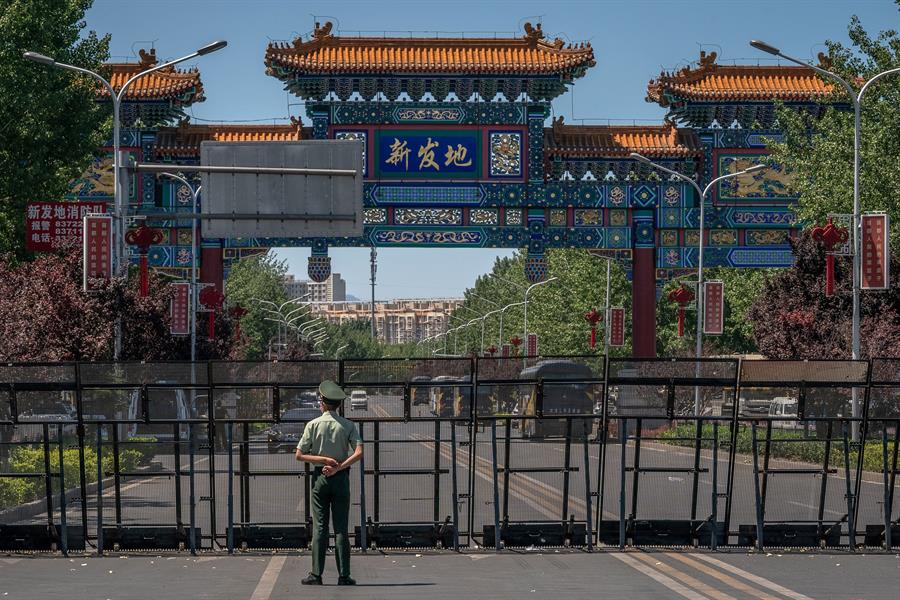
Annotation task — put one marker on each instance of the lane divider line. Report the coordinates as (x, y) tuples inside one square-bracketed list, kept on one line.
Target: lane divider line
[(754, 578), (266, 583), (665, 580), (729, 581), (654, 562)]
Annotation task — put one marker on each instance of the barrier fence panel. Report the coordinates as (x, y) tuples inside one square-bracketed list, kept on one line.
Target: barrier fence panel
[(414, 418), (260, 410), (42, 480), (796, 417), (146, 422), (879, 516), (459, 452), (536, 422), (666, 467)]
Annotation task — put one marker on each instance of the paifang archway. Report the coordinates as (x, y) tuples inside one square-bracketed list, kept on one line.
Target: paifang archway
[(458, 154)]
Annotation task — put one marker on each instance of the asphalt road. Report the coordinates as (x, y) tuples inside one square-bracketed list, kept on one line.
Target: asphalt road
[(277, 485)]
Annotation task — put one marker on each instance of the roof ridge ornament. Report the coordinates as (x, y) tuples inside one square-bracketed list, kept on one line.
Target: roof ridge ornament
[(825, 61), (707, 61), (533, 34), (148, 59)]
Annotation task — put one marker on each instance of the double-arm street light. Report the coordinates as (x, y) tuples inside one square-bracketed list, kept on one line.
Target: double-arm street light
[(702, 193), (116, 97), (856, 98), (503, 312)]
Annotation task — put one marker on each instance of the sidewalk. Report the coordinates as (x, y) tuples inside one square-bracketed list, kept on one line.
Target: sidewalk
[(556, 575)]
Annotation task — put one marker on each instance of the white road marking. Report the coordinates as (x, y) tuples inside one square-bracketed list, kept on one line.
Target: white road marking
[(266, 583), (834, 512), (657, 576), (751, 577)]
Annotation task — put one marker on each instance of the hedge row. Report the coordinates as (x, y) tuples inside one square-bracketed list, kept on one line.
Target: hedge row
[(15, 491), (809, 452)]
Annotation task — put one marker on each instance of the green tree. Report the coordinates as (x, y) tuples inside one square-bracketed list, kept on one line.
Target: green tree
[(50, 121), (823, 161), (251, 279)]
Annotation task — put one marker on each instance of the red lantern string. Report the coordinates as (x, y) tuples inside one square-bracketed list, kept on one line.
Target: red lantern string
[(211, 298), (683, 296), (830, 235), (143, 237)]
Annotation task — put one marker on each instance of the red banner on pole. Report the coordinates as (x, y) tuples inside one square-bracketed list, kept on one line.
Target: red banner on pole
[(617, 327), (875, 256), (713, 307), (50, 225), (180, 309), (97, 249), (504, 350), (531, 345)]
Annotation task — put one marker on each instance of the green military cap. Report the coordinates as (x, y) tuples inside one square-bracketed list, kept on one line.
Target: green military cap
[(332, 392)]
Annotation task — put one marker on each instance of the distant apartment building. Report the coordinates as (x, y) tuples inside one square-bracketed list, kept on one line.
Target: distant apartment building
[(333, 289), (396, 321)]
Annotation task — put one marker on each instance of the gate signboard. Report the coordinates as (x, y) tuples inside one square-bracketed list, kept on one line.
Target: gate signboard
[(97, 249), (616, 327), (713, 307), (51, 225), (875, 256), (179, 309)]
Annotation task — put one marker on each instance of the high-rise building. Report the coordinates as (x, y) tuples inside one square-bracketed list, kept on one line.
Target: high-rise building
[(396, 321), (333, 289)]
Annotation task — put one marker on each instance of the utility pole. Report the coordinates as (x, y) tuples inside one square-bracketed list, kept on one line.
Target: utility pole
[(374, 267)]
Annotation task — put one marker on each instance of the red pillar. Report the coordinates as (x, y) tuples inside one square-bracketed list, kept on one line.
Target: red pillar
[(643, 302)]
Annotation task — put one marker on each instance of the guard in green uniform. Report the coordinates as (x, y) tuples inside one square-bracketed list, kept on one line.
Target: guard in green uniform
[(332, 444)]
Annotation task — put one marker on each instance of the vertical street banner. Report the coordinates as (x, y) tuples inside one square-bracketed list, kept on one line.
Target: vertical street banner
[(504, 350), (713, 307), (179, 309), (531, 345), (875, 259), (97, 250), (51, 225), (616, 327)]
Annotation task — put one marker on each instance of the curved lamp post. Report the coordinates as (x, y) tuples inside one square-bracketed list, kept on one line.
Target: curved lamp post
[(702, 200), (525, 319), (116, 97), (856, 98)]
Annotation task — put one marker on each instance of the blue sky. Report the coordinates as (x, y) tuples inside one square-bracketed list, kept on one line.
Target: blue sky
[(632, 41)]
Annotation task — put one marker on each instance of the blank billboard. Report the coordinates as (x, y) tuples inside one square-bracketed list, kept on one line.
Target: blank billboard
[(270, 204)]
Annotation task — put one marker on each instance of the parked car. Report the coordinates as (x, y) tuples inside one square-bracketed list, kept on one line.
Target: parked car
[(359, 400), (286, 435)]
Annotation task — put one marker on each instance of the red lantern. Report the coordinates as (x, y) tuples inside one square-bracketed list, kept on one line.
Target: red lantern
[(237, 312), (143, 237), (516, 341), (593, 317), (830, 236), (492, 350), (212, 299), (683, 296)]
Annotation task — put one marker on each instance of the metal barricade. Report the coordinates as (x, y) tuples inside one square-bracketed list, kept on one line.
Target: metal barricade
[(259, 412), (413, 417), (43, 507), (537, 419), (878, 466), (799, 421), (666, 462)]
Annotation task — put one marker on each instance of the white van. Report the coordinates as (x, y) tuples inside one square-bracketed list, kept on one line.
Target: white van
[(786, 408)]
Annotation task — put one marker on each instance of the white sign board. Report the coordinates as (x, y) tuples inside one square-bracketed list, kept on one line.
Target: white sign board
[(326, 202)]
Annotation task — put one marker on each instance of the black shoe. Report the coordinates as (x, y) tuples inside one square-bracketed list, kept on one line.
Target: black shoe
[(311, 580), (346, 581)]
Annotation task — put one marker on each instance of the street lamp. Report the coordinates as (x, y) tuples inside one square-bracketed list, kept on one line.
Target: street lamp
[(609, 262), (116, 97), (525, 319), (856, 98), (503, 312), (702, 200)]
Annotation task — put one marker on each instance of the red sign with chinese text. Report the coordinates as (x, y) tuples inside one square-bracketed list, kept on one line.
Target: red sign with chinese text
[(49, 225), (97, 249), (531, 345), (875, 260), (504, 350), (617, 327), (179, 309), (713, 307)]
